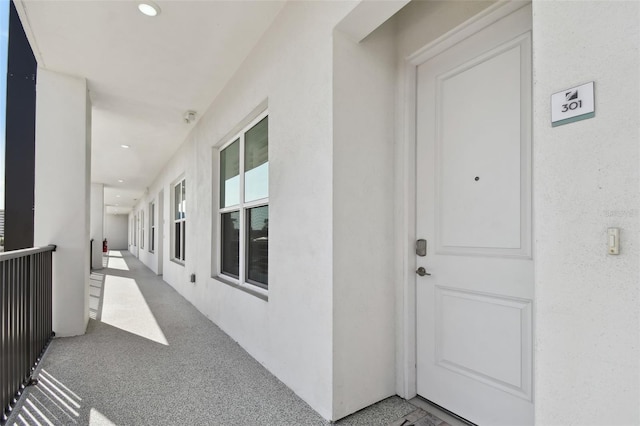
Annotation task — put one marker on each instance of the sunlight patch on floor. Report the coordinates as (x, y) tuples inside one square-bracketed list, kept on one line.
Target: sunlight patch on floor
[(124, 307), (118, 263), (96, 418)]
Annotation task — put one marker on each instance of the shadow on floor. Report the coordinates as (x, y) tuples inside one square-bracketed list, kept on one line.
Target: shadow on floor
[(150, 358)]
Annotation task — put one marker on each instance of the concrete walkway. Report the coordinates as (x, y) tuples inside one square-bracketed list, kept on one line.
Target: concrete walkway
[(150, 358)]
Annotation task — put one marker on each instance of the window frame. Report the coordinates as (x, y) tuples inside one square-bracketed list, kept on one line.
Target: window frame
[(243, 208), (142, 229), (152, 226), (182, 181)]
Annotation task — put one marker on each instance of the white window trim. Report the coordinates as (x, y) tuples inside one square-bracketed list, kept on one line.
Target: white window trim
[(152, 226), (242, 207), (142, 229), (173, 224)]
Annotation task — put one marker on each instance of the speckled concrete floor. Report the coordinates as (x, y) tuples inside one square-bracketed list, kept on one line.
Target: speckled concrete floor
[(150, 358)]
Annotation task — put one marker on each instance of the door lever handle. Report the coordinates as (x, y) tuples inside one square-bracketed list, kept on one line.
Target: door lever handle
[(422, 272)]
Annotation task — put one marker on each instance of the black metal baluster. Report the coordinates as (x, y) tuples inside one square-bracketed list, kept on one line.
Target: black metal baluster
[(25, 319), (4, 361)]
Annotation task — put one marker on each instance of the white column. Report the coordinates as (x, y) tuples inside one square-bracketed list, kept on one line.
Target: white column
[(62, 193), (97, 223)]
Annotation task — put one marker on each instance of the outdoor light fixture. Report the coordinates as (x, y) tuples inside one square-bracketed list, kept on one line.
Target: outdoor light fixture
[(148, 8), (125, 146)]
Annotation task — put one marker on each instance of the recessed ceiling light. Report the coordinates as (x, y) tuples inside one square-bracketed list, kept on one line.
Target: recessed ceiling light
[(125, 146), (117, 204), (148, 8), (120, 180), (117, 196)]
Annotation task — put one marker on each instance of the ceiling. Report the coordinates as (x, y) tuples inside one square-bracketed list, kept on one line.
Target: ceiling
[(143, 73)]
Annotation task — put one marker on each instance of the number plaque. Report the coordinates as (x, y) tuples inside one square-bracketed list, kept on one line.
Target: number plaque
[(574, 104)]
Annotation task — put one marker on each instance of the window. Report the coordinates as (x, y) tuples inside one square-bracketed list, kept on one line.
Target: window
[(244, 205), (152, 227), (141, 229), (179, 220), (135, 231)]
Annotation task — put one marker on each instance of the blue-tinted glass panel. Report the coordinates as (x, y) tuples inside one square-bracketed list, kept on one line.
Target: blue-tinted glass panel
[(256, 161), (183, 201), (176, 202), (230, 175)]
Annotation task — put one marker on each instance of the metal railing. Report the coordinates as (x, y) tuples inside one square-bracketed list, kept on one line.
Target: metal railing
[(25, 319)]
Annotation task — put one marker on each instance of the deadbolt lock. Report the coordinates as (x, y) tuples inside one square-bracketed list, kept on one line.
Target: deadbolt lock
[(421, 247)]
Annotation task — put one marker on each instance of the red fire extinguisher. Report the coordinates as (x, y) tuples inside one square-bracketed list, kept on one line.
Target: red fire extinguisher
[(104, 246)]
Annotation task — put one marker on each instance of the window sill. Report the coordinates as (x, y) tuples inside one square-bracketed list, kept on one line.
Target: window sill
[(244, 288), (179, 262)]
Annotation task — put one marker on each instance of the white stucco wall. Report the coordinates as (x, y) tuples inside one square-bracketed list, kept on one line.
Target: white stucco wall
[(363, 286), (62, 193), (586, 180), (421, 22), (115, 231), (330, 326), (291, 334), (332, 115)]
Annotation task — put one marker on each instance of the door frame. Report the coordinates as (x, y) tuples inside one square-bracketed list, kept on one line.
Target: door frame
[(405, 185)]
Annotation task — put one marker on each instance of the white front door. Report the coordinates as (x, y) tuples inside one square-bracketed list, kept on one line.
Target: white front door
[(473, 201)]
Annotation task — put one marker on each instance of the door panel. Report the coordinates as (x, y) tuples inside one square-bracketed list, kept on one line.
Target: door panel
[(473, 201), (463, 345), (470, 174)]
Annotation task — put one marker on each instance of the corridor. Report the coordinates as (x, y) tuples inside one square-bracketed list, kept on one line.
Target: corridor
[(150, 358)]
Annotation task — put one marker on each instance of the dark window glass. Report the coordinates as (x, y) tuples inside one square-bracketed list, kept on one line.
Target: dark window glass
[(258, 245), (152, 226), (231, 244), (180, 204), (177, 241)]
